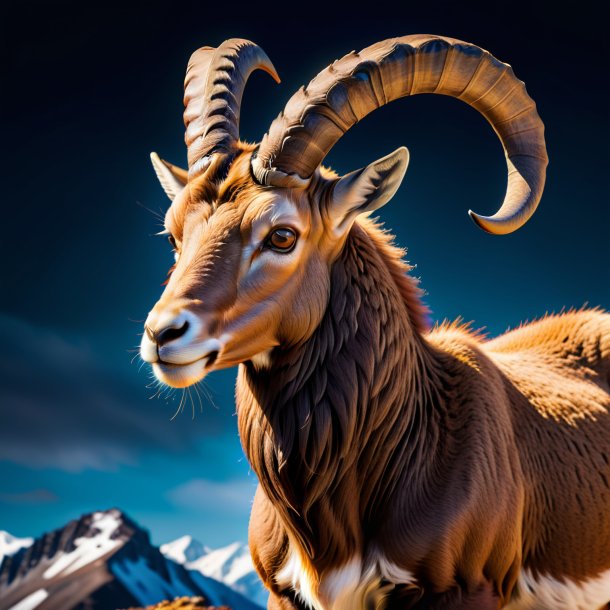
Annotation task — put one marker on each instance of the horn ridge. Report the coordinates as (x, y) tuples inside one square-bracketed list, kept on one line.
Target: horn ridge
[(213, 90), (317, 115)]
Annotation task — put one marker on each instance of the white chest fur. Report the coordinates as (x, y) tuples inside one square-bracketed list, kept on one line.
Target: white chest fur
[(548, 593), (352, 586)]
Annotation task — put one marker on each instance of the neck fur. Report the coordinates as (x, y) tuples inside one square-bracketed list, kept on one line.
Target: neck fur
[(330, 424)]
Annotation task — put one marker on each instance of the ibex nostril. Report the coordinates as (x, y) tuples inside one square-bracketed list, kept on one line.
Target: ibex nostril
[(170, 334)]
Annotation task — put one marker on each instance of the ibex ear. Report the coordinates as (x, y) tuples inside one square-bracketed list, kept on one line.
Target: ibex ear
[(367, 189), (171, 177)]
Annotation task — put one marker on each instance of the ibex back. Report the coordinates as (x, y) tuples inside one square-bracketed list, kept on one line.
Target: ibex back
[(399, 467)]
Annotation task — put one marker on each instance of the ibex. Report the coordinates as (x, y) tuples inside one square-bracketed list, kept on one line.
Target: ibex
[(399, 466)]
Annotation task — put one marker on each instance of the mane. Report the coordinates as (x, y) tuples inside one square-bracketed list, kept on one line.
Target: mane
[(359, 382), (394, 258)]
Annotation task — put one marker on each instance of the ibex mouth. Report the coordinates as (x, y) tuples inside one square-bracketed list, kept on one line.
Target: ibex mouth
[(211, 358), (183, 375)]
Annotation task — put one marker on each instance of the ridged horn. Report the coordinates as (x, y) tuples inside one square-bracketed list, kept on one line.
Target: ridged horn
[(213, 89), (318, 115)]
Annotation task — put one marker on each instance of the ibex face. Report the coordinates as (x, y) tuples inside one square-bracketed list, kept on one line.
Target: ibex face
[(256, 229), (252, 264)]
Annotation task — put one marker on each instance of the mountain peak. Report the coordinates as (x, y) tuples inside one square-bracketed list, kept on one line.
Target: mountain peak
[(103, 559), (184, 549), (9, 544), (231, 564)]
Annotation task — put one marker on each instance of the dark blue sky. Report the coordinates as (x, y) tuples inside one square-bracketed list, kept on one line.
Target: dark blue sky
[(88, 92)]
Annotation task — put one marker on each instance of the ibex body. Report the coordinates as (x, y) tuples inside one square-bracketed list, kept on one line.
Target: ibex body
[(399, 467)]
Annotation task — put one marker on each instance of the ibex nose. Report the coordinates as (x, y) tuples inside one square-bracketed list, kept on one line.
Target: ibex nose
[(168, 335), (173, 330)]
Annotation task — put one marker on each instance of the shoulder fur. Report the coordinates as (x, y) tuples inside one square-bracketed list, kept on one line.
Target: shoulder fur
[(563, 333)]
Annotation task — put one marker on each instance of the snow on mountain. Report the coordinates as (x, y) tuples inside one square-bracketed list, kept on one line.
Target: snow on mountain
[(231, 565), (31, 601), (88, 549), (184, 549), (221, 563), (103, 560), (10, 544)]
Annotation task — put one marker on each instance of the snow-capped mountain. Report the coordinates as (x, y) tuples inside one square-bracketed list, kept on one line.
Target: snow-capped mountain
[(231, 565), (184, 550), (9, 544), (101, 561)]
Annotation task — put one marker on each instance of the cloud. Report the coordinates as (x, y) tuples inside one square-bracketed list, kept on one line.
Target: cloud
[(234, 496), (35, 496), (63, 405)]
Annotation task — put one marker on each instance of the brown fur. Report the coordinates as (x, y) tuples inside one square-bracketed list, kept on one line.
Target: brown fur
[(458, 459), (457, 456)]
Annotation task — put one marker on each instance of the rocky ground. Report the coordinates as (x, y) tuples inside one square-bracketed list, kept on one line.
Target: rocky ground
[(184, 603)]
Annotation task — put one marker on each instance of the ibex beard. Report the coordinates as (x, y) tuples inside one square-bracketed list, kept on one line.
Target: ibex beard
[(399, 467)]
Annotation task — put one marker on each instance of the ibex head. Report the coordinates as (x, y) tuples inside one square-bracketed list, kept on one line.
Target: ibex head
[(256, 228)]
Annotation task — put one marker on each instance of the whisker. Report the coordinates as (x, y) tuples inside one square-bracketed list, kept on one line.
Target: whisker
[(208, 394), (158, 215), (182, 398), (160, 386), (192, 404), (178, 409), (198, 397), (169, 392)]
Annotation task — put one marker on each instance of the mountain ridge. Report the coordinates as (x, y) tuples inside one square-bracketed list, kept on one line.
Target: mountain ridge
[(101, 561), (231, 564)]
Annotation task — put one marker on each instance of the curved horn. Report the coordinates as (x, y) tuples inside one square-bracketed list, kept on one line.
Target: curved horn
[(213, 88), (352, 87)]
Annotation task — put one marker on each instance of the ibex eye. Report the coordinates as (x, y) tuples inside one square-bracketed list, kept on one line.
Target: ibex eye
[(281, 240)]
